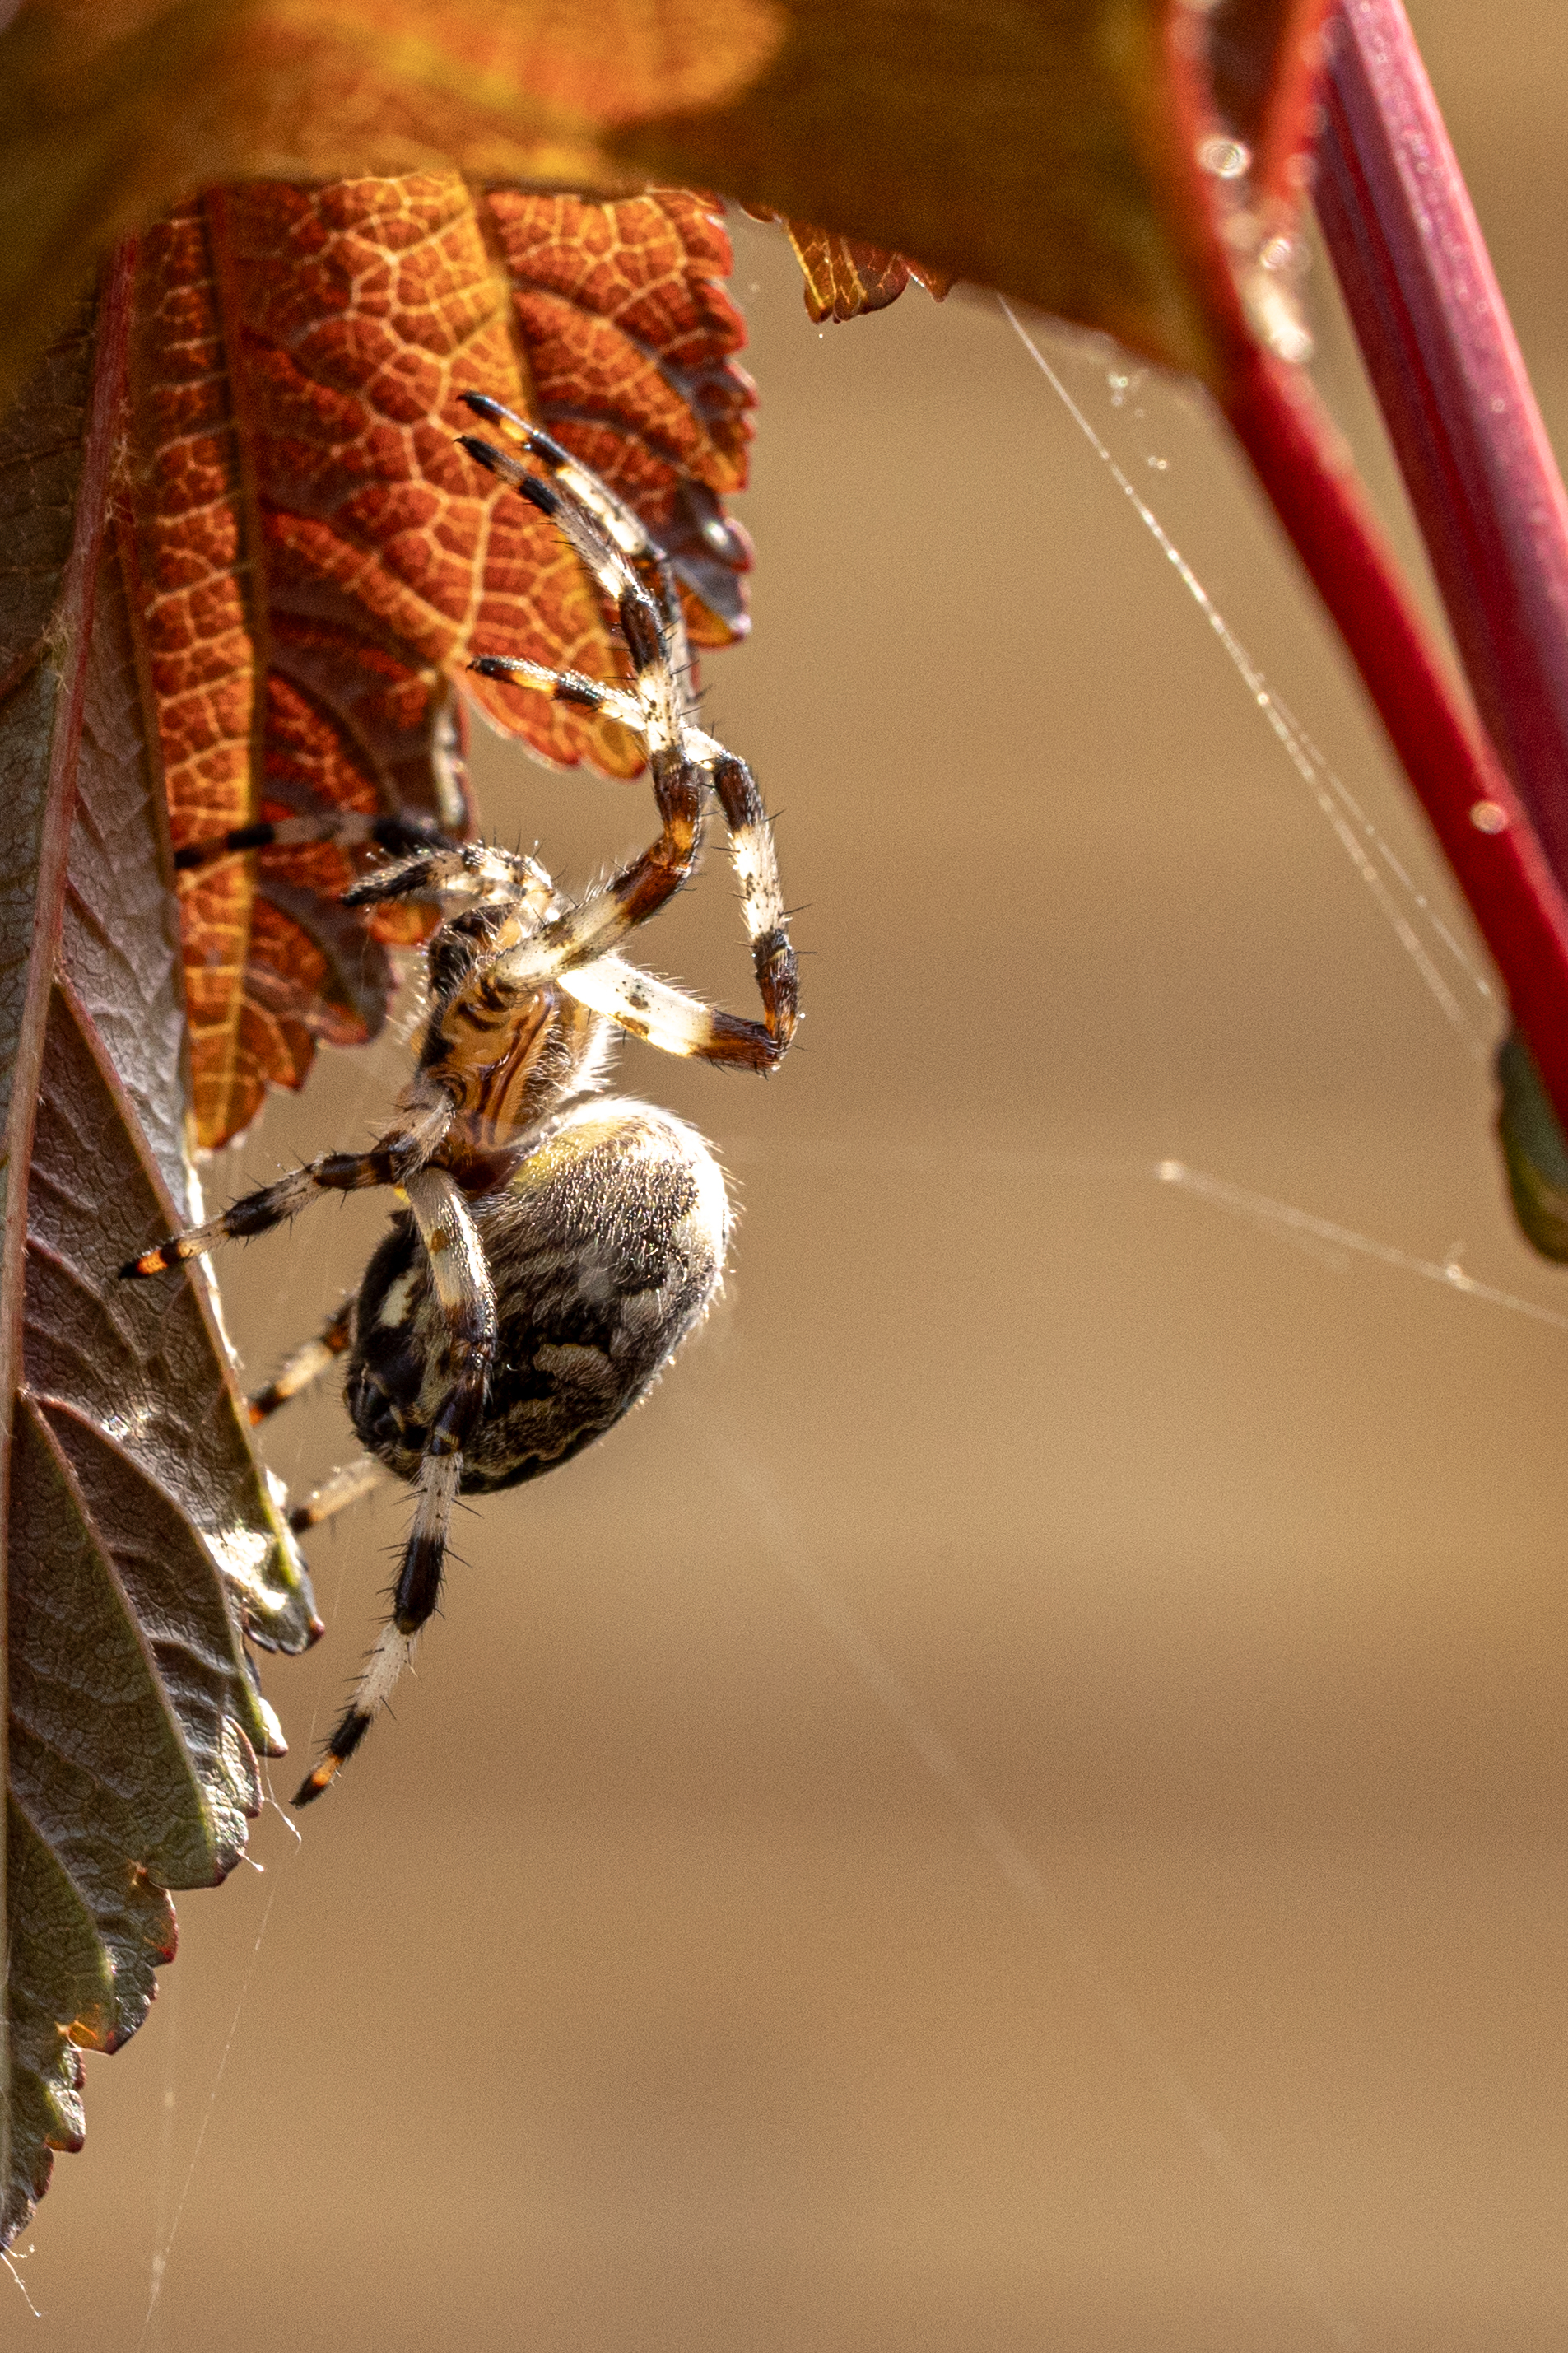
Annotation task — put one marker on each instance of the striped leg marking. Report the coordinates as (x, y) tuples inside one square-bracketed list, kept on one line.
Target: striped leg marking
[(621, 523), (439, 1480), (306, 1365), (564, 686), (355, 1480), (462, 1285), (667, 1017), (762, 896), (456, 875), (346, 828), (391, 1162), (629, 898)]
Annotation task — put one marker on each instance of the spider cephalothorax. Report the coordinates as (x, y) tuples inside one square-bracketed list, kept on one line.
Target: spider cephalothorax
[(558, 1242)]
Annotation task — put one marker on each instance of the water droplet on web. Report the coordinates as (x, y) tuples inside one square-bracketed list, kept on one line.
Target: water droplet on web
[(1227, 159)]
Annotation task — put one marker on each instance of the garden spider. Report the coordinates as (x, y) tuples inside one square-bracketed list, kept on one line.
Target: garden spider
[(558, 1242)]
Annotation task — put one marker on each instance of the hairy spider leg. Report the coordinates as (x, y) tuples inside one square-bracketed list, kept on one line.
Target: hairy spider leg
[(345, 828), (457, 874), (393, 1161), (677, 753), (622, 523), (305, 1365), (667, 1018), (609, 536), (467, 1297), (664, 716), (335, 1494), (564, 686), (751, 851), (762, 896), (646, 882), (614, 544)]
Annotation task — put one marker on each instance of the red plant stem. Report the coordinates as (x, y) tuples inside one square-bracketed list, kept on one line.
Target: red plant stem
[(1480, 821), (1446, 370)]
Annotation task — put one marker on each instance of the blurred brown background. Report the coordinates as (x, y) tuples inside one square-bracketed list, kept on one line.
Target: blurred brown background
[(1023, 1801)]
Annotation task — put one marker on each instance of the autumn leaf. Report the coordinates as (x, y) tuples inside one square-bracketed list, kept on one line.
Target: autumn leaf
[(142, 1543)]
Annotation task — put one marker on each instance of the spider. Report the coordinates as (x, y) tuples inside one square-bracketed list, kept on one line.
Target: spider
[(558, 1241)]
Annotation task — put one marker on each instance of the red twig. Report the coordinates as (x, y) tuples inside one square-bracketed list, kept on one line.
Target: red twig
[(1441, 352), (1480, 821), (1446, 365)]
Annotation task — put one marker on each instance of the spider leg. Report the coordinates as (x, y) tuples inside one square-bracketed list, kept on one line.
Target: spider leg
[(670, 1019), (393, 1161), (307, 1364), (630, 897), (650, 1010), (610, 540), (762, 896), (335, 1494), (455, 874), (750, 844), (620, 522), (598, 694), (462, 1286), (397, 835), (564, 686)]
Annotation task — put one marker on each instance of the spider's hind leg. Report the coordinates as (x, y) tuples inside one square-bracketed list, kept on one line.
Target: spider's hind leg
[(304, 1365), (347, 1485), (462, 1285), (413, 1604)]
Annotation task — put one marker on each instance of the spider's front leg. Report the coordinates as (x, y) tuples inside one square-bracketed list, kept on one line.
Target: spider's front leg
[(393, 1161), (397, 836), (467, 1298)]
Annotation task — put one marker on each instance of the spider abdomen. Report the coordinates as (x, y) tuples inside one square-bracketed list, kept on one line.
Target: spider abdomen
[(604, 1247)]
